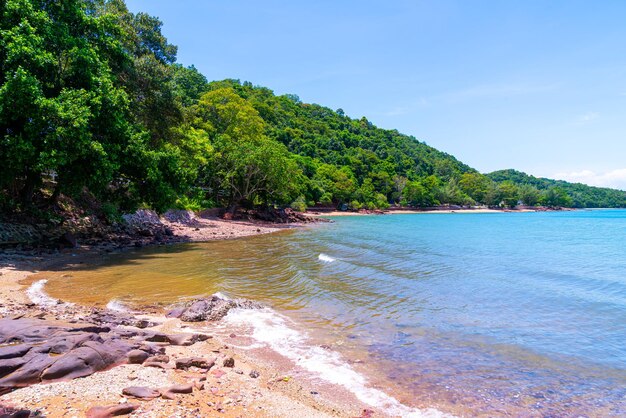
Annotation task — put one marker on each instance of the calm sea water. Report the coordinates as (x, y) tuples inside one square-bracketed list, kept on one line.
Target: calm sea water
[(519, 314)]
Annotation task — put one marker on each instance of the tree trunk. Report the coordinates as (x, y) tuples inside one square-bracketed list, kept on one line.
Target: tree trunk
[(56, 193), (28, 190)]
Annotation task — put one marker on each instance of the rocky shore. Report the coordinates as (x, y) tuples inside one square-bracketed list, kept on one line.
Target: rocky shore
[(66, 360)]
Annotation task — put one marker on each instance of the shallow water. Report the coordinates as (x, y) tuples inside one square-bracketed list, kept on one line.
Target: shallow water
[(520, 314)]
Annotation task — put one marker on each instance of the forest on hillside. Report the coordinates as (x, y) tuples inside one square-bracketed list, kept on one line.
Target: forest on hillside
[(94, 107)]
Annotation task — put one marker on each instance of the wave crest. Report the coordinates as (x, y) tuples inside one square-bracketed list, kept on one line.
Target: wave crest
[(271, 329), (325, 258)]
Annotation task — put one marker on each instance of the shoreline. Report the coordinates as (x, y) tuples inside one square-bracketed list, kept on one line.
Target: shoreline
[(395, 211), (282, 389)]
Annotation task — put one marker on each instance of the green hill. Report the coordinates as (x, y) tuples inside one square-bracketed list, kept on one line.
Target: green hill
[(582, 195)]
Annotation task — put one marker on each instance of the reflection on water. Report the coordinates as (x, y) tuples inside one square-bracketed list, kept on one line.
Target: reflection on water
[(520, 314)]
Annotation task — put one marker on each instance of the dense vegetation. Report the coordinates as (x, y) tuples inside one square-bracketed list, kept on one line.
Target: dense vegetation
[(94, 106), (574, 194)]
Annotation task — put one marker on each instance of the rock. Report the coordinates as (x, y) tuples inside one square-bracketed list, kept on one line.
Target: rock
[(170, 393), (113, 318), (187, 339), (141, 392), (184, 388), (214, 308), (68, 240), (111, 410), (185, 363), (157, 337), (47, 351), (137, 356), (218, 373), (13, 351), (167, 395), (9, 412), (229, 362), (175, 313), (158, 365), (161, 358), (254, 374), (79, 363), (56, 352)]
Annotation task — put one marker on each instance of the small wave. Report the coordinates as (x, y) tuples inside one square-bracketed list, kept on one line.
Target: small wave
[(325, 258), (116, 306), (270, 328), (39, 296), (221, 296)]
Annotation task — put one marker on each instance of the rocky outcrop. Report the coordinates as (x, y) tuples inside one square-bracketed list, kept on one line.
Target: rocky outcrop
[(210, 309), (34, 350), (43, 351)]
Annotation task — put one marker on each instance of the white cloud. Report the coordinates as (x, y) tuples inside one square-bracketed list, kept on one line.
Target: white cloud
[(615, 178), (588, 117)]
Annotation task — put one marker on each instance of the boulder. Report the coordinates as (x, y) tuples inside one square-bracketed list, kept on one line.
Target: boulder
[(212, 308), (137, 356)]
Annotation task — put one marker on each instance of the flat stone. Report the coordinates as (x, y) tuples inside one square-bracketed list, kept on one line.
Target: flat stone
[(141, 392), (111, 410), (158, 365)]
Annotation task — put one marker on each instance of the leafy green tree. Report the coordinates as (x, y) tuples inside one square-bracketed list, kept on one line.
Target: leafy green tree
[(475, 185), (422, 193), (529, 194), (60, 110), (450, 192), (338, 183), (509, 193), (246, 167), (556, 197), (189, 84)]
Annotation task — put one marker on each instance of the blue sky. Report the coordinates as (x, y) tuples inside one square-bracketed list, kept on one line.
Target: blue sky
[(539, 86)]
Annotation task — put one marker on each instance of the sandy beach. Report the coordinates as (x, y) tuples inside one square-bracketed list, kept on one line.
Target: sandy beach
[(261, 383), (414, 212)]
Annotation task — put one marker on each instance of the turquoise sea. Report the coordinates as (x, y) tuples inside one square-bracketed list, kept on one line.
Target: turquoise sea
[(518, 314)]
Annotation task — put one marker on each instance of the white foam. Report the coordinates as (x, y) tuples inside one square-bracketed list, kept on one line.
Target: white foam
[(325, 258), (116, 305), (39, 296), (221, 296), (272, 329)]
